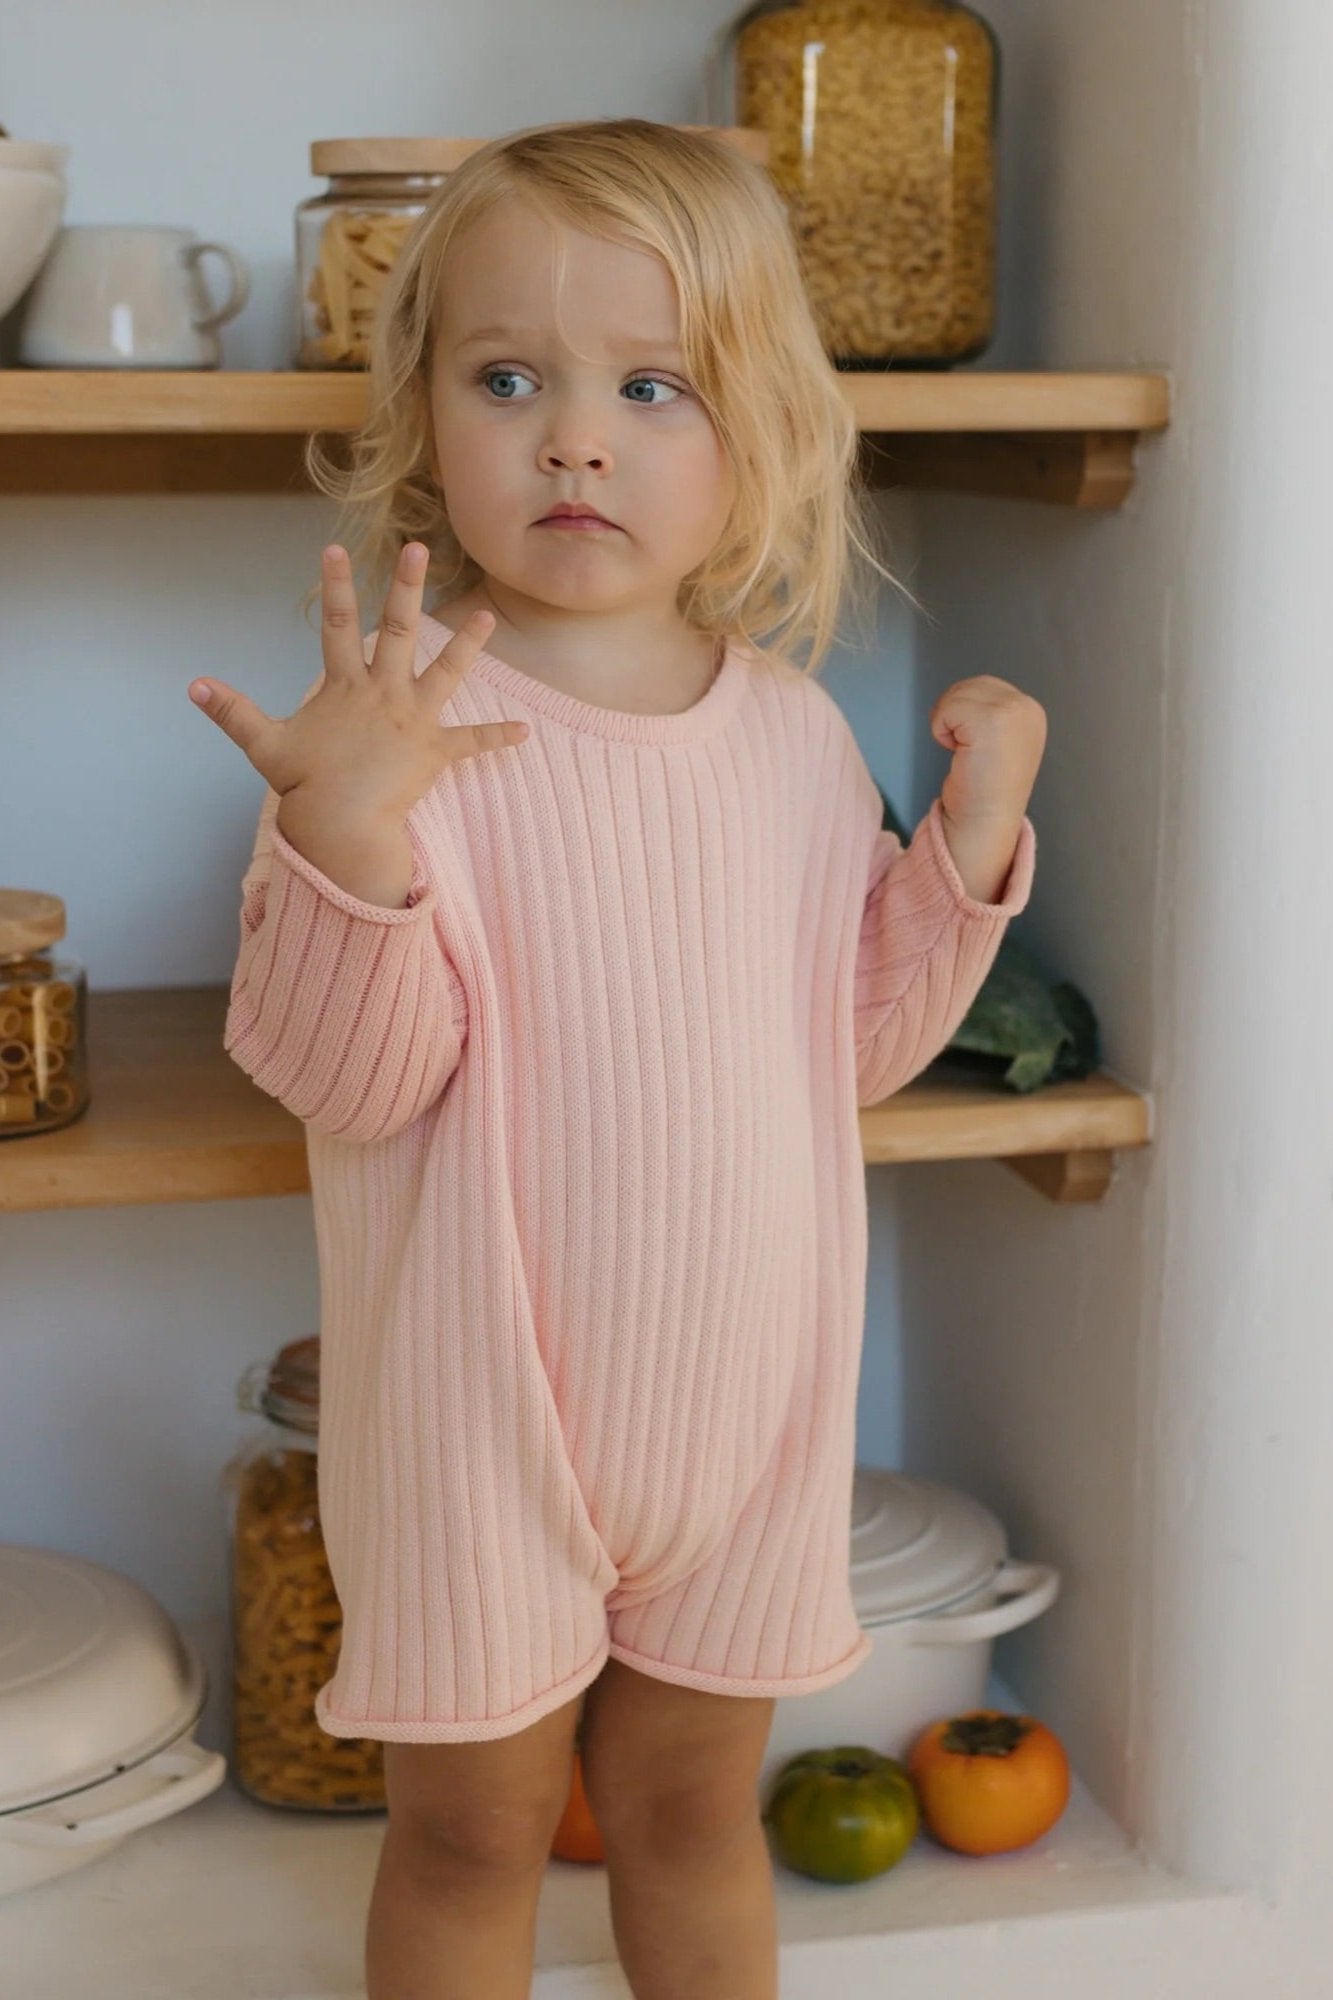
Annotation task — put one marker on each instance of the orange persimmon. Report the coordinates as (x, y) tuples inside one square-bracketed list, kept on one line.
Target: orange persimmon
[(989, 1781), (577, 1837)]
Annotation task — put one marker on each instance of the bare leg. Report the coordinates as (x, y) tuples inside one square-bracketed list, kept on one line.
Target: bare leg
[(696, 1920), (453, 1912), (672, 1775), (442, 1931)]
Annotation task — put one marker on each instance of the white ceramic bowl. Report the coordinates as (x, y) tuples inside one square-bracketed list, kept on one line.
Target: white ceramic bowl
[(33, 194)]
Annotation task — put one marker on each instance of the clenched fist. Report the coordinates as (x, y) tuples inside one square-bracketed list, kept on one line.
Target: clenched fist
[(998, 737)]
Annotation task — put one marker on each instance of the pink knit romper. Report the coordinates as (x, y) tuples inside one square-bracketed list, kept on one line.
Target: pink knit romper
[(588, 1189)]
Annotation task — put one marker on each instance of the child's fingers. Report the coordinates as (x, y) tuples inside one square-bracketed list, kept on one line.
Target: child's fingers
[(440, 676), (396, 636), (236, 716), (470, 738), (340, 628)]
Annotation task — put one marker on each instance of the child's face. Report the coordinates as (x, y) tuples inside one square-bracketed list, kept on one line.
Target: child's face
[(622, 431)]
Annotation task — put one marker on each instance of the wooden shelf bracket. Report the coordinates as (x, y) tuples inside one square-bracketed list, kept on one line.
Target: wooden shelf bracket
[(1067, 468)]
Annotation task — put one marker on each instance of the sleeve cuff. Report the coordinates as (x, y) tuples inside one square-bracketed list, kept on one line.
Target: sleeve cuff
[(421, 894), (1017, 886)]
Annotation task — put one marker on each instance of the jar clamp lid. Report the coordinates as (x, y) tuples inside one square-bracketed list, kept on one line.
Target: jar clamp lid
[(441, 155), (285, 1389), (29, 920), (389, 156)]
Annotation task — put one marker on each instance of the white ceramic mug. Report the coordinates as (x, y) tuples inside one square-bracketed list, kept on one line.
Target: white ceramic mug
[(113, 295)]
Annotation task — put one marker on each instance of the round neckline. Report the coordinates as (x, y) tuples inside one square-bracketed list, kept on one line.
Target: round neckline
[(685, 725)]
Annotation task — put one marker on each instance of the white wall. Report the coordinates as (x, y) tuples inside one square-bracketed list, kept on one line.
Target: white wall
[(1142, 1388)]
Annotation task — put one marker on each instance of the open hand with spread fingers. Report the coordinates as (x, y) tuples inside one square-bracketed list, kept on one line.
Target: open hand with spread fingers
[(368, 743)]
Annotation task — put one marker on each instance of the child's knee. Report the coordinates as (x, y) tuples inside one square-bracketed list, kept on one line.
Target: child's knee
[(500, 1840), (671, 1770), (487, 1808)]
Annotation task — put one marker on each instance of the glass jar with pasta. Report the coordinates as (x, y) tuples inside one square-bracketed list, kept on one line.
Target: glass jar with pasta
[(880, 116), (286, 1624), (43, 1019), (348, 237)]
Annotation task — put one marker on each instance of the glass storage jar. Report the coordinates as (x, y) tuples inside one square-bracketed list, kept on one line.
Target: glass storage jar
[(348, 237), (286, 1623), (881, 120), (43, 1019)]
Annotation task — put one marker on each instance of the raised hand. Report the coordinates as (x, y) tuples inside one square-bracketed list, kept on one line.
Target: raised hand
[(368, 743), (998, 736)]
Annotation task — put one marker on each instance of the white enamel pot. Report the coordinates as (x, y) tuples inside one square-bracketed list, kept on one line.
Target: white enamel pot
[(934, 1586), (99, 1696)]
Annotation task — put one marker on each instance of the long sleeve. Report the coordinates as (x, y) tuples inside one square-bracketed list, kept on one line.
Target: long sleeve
[(925, 949), (350, 1014)]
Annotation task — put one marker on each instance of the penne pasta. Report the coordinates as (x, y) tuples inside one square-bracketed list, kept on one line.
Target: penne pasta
[(356, 251), (43, 1061), (286, 1632)]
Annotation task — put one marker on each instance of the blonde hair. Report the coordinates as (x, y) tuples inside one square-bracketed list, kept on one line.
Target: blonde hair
[(799, 534)]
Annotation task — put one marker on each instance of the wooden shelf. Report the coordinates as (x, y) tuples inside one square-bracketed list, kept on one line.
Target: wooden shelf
[(1061, 1139), (1068, 438), (173, 1118)]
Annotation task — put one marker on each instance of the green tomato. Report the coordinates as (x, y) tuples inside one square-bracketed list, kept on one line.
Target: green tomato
[(842, 1815)]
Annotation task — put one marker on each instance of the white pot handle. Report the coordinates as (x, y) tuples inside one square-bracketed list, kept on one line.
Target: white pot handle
[(186, 1772), (1026, 1589)]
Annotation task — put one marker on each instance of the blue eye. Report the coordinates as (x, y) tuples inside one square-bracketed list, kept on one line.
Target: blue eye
[(660, 383), (485, 375)]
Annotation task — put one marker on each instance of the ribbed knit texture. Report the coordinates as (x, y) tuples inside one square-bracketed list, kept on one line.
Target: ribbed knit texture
[(589, 1192)]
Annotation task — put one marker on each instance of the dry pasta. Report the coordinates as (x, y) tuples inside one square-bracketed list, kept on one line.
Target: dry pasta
[(43, 1069), (286, 1632), (356, 251), (880, 126)]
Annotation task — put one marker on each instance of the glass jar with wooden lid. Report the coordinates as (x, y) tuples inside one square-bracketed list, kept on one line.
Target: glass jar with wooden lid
[(881, 119), (286, 1623), (43, 1018), (348, 237)]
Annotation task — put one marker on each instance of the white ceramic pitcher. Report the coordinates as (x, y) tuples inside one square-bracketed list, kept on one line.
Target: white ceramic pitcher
[(122, 295)]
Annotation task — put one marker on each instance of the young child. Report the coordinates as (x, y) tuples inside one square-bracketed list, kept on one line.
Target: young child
[(577, 955)]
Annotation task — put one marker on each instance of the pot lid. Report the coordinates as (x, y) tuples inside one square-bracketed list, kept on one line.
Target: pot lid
[(94, 1676), (917, 1545)]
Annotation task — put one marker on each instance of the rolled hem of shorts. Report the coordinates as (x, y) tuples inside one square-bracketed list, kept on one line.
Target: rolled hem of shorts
[(477, 1729), (663, 1670)]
